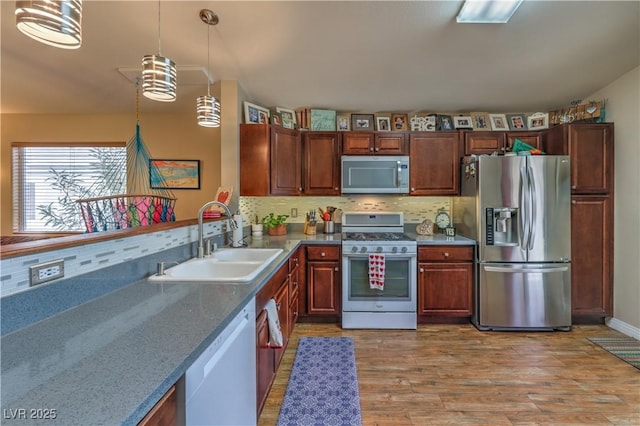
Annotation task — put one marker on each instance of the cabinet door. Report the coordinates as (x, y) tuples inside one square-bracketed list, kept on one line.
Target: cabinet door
[(286, 161), (164, 413), (322, 163), (255, 163), (357, 143), (591, 151), (282, 304), (390, 143), (265, 360), (591, 256), (533, 139), (434, 163), (323, 288), (484, 142), (444, 289)]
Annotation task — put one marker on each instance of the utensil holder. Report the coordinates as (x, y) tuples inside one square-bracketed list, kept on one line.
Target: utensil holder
[(329, 227)]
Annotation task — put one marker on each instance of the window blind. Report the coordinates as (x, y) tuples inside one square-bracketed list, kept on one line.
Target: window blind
[(48, 178)]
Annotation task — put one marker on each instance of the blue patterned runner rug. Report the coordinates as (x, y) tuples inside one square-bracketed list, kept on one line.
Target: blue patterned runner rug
[(323, 386)]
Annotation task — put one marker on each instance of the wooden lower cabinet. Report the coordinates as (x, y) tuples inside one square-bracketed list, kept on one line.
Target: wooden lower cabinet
[(164, 413), (265, 360), (323, 280), (268, 358), (445, 281), (591, 257)]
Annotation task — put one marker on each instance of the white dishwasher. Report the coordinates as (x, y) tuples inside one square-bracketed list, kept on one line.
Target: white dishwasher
[(220, 386)]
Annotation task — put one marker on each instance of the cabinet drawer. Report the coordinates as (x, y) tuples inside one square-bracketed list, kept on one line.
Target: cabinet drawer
[(445, 253), (323, 253)]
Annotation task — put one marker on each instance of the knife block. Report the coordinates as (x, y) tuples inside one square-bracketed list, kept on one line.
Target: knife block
[(309, 227)]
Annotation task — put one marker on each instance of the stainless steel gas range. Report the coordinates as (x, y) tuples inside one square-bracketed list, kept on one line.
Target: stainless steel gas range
[(379, 272)]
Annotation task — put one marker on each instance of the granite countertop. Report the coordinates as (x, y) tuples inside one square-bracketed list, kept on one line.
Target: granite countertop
[(108, 361)]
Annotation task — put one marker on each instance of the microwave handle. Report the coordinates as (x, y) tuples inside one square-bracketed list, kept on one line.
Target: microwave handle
[(398, 174)]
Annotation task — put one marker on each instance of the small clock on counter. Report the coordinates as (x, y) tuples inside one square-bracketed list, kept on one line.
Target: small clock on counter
[(443, 220)]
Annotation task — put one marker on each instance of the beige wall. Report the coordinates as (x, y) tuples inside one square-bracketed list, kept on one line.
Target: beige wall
[(623, 108), (165, 135)]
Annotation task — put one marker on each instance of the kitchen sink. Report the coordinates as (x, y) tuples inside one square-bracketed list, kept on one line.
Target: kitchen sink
[(232, 266)]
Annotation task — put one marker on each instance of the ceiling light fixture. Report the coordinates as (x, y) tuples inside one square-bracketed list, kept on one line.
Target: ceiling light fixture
[(55, 23), (487, 11), (159, 74), (208, 107)]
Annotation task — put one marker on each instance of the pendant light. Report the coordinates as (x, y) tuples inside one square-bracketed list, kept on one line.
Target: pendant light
[(55, 23), (158, 74), (208, 107)]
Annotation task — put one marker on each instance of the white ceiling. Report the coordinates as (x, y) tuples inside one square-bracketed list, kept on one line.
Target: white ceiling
[(348, 55)]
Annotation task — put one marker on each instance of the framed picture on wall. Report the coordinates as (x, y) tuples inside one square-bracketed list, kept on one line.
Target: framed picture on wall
[(174, 174)]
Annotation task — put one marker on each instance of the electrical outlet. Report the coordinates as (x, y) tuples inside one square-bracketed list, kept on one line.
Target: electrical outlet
[(47, 271), (294, 212)]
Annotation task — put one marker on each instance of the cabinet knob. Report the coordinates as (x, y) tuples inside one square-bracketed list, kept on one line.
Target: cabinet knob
[(421, 269), (371, 149), (573, 187), (336, 188), (335, 269), (573, 201), (445, 254), (377, 149), (300, 189), (413, 188), (323, 254)]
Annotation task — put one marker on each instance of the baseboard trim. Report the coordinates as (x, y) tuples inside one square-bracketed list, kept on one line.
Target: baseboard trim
[(623, 327)]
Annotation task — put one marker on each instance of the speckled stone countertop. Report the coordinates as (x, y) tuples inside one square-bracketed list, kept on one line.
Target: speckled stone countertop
[(108, 361)]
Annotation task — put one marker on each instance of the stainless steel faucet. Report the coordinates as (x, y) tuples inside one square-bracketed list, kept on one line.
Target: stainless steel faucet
[(232, 223)]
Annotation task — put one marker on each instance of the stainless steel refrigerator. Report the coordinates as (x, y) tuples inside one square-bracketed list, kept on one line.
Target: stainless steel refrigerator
[(518, 209)]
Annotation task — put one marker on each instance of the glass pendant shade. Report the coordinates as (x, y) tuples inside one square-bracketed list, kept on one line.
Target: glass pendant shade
[(158, 78), (208, 111), (55, 23)]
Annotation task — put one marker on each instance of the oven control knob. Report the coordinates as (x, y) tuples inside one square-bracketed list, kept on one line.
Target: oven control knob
[(394, 250), (379, 250), (354, 249), (363, 249), (404, 249)]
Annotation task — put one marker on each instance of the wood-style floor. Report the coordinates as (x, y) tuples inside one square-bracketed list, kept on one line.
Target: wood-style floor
[(455, 374)]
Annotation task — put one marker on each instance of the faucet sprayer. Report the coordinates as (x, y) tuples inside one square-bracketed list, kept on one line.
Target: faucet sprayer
[(232, 223)]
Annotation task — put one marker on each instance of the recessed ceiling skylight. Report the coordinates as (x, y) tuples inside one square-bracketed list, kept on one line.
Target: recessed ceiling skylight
[(487, 11)]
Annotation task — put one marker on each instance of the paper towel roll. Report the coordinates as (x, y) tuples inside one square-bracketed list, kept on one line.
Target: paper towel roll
[(237, 233)]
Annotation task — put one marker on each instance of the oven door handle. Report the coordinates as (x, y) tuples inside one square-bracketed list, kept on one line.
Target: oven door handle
[(394, 256)]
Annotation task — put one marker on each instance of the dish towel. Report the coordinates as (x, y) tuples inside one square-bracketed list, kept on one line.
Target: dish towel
[(376, 271), (275, 333)]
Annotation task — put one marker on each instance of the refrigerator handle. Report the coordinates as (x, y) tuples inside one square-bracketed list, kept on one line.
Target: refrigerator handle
[(532, 213), (522, 216), (529, 270)]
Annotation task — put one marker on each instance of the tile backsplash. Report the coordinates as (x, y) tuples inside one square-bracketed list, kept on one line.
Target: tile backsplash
[(14, 275), (416, 209)]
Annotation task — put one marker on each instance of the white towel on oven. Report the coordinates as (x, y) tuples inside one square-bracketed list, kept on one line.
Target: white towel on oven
[(376, 271), (275, 333)]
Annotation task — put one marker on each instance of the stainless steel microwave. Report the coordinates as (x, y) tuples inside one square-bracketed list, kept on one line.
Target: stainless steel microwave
[(364, 174)]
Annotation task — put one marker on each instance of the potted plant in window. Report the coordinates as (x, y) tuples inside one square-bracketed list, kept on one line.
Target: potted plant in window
[(275, 224)]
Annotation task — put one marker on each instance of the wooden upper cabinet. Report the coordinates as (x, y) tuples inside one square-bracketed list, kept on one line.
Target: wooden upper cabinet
[(321, 152), (374, 143), (590, 147), (270, 160), (484, 142), (286, 161), (534, 139), (434, 163), (390, 143), (254, 159)]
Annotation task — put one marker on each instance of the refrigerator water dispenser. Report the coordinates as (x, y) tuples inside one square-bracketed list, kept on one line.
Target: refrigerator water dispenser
[(502, 226)]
